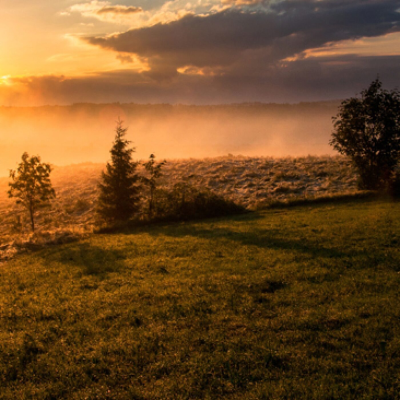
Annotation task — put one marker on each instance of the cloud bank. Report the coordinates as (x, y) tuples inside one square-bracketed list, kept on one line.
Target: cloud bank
[(287, 29), (301, 80), (250, 51)]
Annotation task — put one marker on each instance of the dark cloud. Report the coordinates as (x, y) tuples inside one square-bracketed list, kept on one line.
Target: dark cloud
[(125, 58), (119, 10), (234, 56), (302, 80), (285, 29)]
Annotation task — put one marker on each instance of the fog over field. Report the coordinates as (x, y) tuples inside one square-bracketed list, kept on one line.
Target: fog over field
[(64, 135)]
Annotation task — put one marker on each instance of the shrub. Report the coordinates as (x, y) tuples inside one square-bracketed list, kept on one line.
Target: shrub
[(184, 202), (77, 206)]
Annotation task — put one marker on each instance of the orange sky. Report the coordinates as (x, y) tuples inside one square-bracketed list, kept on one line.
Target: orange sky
[(155, 47)]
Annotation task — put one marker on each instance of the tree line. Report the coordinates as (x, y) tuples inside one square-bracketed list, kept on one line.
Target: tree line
[(367, 129)]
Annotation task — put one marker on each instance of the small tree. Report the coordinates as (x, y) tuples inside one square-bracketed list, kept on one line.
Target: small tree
[(154, 171), (119, 189), (31, 185), (368, 130)]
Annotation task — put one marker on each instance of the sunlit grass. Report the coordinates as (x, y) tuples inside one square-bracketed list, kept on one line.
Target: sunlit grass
[(252, 182), (288, 303)]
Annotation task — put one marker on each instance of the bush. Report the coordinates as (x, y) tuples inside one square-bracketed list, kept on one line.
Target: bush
[(184, 202), (78, 206)]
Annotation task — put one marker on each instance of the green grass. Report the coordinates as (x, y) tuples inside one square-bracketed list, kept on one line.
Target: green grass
[(291, 303)]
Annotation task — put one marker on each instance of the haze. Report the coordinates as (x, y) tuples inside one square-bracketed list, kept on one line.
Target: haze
[(80, 133), (206, 52)]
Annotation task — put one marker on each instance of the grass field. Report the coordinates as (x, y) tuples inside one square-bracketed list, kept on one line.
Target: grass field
[(282, 304), (252, 182)]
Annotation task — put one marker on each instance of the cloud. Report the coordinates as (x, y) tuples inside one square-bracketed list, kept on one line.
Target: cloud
[(285, 29), (249, 52), (105, 11), (125, 58), (244, 2), (117, 10), (249, 80), (88, 9), (136, 16)]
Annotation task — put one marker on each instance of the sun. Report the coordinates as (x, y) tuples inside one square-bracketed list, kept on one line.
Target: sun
[(5, 80)]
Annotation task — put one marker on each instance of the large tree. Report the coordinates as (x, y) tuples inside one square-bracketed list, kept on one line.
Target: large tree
[(31, 185), (368, 130), (119, 190)]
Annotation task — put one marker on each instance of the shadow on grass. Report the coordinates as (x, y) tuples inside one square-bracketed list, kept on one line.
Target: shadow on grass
[(262, 238), (93, 260), (361, 196), (276, 239), (265, 239)]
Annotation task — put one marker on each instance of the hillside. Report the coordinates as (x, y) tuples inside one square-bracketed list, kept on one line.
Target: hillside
[(297, 303), (254, 182)]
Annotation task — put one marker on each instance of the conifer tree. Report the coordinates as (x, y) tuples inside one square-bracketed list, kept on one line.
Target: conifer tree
[(119, 190)]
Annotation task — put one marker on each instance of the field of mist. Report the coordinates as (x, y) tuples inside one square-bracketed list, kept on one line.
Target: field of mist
[(64, 135)]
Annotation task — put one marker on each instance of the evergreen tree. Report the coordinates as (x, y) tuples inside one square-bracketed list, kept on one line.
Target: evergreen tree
[(31, 185), (119, 190)]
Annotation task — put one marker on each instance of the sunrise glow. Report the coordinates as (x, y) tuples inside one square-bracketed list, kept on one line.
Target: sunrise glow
[(250, 50), (199, 199)]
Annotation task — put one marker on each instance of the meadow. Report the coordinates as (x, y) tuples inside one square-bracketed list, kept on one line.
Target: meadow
[(285, 303), (254, 182)]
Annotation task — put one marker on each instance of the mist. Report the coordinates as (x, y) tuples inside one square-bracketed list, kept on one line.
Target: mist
[(79, 133)]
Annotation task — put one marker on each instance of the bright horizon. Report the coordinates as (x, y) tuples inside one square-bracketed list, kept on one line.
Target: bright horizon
[(84, 133), (105, 56)]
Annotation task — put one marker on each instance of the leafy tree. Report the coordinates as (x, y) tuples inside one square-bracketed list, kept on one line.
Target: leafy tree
[(31, 185), (119, 190), (154, 171), (368, 130)]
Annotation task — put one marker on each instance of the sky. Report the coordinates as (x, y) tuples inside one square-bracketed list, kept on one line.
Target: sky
[(195, 51)]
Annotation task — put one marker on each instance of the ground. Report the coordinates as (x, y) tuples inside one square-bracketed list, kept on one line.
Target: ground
[(285, 303), (254, 182)]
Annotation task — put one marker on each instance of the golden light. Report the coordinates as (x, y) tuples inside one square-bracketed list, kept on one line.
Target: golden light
[(5, 80)]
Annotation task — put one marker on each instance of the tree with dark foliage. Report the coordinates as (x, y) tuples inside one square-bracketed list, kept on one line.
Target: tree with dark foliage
[(368, 130), (31, 185), (154, 171), (119, 190)]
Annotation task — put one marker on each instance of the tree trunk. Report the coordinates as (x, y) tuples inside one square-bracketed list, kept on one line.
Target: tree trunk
[(31, 214)]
